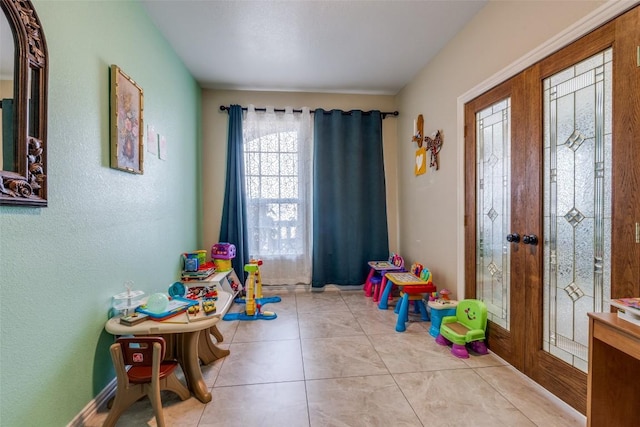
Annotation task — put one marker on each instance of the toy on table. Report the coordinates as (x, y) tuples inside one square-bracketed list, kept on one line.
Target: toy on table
[(222, 254), (195, 266), (207, 293), (209, 305), (127, 301), (253, 309), (444, 295), (160, 307), (467, 327)]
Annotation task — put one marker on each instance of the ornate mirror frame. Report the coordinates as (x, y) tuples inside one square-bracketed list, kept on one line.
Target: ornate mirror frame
[(26, 184)]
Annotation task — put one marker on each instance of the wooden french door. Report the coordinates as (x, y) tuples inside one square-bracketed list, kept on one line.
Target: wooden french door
[(551, 173)]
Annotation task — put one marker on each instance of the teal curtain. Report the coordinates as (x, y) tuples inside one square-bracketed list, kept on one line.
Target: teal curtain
[(349, 197), (233, 228)]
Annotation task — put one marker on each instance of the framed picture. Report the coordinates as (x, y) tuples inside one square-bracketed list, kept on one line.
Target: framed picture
[(152, 140), (127, 129)]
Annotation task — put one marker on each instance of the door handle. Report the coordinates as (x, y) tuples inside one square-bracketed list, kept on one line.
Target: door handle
[(530, 239), (513, 237)]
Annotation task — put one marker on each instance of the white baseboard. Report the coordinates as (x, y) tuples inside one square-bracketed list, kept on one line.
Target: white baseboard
[(92, 407)]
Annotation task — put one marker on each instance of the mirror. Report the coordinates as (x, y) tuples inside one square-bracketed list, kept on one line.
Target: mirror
[(23, 97)]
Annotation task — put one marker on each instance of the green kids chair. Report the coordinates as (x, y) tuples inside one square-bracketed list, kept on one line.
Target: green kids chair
[(466, 327)]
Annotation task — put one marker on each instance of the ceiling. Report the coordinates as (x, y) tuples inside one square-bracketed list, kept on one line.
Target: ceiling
[(348, 46)]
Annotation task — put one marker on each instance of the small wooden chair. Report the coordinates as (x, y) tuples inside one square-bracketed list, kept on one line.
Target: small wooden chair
[(146, 377), (466, 327)]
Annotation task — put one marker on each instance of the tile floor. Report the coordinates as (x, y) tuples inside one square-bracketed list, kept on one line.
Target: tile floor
[(333, 358)]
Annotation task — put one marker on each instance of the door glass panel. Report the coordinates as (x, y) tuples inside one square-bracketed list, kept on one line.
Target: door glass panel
[(493, 207), (577, 204)]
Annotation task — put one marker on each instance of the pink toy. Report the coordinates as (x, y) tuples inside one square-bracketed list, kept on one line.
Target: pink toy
[(223, 251)]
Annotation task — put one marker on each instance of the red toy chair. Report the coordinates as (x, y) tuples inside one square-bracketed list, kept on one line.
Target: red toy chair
[(146, 377)]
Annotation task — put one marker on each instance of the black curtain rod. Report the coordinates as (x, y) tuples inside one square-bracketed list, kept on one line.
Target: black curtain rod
[(282, 110)]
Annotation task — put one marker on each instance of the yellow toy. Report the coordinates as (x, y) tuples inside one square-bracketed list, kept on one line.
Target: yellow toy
[(258, 277), (260, 299), (253, 305)]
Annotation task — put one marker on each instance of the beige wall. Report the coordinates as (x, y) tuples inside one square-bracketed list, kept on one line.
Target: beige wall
[(214, 145), (500, 34)]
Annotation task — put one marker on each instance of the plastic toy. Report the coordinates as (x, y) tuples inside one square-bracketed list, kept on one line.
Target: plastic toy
[(375, 281), (467, 327), (222, 254), (260, 299), (412, 289), (157, 303), (209, 306), (172, 307), (379, 269), (126, 302), (253, 308)]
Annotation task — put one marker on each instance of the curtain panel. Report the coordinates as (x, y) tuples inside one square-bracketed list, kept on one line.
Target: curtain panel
[(278, 149), (349, 202), (233, 227)]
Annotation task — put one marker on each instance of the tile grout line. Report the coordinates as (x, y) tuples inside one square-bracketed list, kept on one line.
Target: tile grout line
[(304, 374)]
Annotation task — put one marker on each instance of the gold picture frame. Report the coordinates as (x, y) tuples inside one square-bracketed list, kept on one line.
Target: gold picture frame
[(127, 123)]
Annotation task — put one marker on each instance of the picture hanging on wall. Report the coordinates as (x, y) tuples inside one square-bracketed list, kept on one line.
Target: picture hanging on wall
[(152, 140), (162, 147), (127, 130)]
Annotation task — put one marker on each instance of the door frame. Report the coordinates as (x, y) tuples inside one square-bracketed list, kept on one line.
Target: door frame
[(590, 22)]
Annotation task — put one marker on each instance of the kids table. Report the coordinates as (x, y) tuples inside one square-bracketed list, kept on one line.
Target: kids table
[(440, 309), (187, 341), (411, 288), (381, 268)]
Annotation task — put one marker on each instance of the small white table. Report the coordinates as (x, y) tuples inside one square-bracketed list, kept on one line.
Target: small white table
[(188, 341)]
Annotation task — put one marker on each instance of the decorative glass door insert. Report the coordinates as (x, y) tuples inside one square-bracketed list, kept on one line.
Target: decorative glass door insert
[(493, 207), (577, 204)]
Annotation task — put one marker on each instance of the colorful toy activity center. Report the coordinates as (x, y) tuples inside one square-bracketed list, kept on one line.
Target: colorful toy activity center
[(253, 299), (222, 254)]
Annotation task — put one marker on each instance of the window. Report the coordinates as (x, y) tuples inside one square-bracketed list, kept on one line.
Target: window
[(277, 156)]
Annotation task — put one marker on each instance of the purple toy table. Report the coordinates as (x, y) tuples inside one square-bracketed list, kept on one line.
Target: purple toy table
[(380, 267)]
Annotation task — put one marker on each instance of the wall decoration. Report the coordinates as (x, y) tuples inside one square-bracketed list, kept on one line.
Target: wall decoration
[(421, 161), (127, 130), (162, 147), (418, 130), (434, 145), (421, 153), (152, 140)]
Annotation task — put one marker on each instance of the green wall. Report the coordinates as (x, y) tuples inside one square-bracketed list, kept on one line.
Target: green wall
[(60, 265)]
